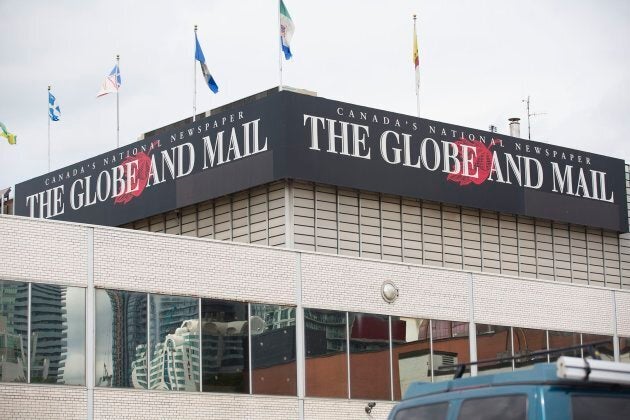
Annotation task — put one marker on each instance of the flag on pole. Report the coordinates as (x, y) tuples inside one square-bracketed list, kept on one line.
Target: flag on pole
[(53, 109), (416, 56), (204, 68), (11, 138), (286, 30), (112, 82)]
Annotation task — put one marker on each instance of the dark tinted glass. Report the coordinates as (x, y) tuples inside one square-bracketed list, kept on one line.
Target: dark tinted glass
[(424, 412), (121, 339), (174, 343), (13, 331), (326, 358), (224, 344), (57, 334), (369, 356), (450, 347), (505, 407), (494, 342), (588, 407), (526, 342), (273, 349), (411, 353)]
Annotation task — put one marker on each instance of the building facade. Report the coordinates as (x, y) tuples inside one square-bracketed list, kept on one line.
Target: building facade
[(267, 301)]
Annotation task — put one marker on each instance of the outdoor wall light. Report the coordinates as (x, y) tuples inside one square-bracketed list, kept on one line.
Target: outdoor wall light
[(369, 407), (389, 291)]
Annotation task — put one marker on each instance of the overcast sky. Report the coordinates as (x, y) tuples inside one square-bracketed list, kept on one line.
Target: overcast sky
[(478, 60)]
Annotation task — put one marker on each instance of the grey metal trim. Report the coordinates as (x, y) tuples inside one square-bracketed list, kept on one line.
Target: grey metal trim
[(603, 256), (200, 349), (289, 237), (28, 329), (337, 218), (359, 222), (472, 327), (380, 222), (553, 261), (267, 211), (499, 236), (616, 350), (249, 216), (402, 233), (461, 234), (422, 228), (90, 367), (249, 345), (231, 217), (518, 248), (348, 353), (148, 351), (391, 360), (571, 253), (512, 347), (442, 233), (315, 216), (536, 247), (431, 349), (481, 238)]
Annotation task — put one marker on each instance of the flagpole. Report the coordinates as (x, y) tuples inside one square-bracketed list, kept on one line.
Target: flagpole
[(117, 102), (195, 78), (48, 128), (417, 70), (280, 49)]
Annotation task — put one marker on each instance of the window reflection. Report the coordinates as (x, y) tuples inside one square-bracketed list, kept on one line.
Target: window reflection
[(13, 331), (174, 343), (450, 347), (411, 353), (273, 349), (57, 334), (605, 349), (224, 346), (561, 340), (121, 339), (326, 358), (494, 342), (526, 342), (369, 355)]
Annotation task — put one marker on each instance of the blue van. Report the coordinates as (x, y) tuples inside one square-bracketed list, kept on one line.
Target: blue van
[(571, 389)]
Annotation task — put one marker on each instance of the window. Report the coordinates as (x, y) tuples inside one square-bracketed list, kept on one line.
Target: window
[(369, 356), (57, 334), (604, 346), (225, 360), (174, 326), (528, 341), (273, 351), (424, 412), (504, 407), (561, 340), (587, 407), (121, 339), (13, 331), (494, 342), (450, 347), (411, 352), (326, 358)]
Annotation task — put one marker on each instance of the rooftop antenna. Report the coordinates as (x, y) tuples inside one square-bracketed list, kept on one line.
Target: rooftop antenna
[(529, 115)]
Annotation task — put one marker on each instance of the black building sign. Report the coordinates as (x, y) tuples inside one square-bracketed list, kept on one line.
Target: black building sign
[(289, 135)]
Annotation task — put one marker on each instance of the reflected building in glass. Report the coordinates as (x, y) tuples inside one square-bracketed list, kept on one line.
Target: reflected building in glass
[(13, 331), (49, 333)]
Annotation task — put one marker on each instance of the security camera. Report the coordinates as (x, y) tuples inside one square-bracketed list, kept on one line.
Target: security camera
[(369, 407)]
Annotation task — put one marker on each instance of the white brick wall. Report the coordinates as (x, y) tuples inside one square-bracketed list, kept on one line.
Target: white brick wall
[(623, 313), (354, 284), (56, 252), (323, 408), (180, 265), (50, 252), (118, 404), (543, 305), (45, 402)]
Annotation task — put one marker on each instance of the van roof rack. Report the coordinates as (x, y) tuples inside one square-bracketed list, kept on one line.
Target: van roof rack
[(590, 350)]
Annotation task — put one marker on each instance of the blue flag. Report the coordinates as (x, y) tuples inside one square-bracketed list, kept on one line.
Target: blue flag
[(53, 109), (204, 69)]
